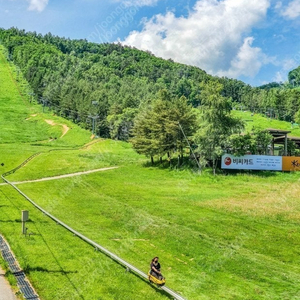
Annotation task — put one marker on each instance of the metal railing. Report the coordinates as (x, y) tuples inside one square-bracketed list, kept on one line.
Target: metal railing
[(48, 151), (113, 256), (21, 165)]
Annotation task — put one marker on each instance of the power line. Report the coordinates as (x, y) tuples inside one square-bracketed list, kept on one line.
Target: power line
[(190, 146)]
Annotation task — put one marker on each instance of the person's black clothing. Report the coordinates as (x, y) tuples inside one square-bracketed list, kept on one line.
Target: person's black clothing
[(153, 272)]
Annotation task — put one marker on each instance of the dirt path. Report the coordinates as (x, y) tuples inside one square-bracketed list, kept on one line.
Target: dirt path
[(64, 127), (62, 176), (6, 292), (31, 116)]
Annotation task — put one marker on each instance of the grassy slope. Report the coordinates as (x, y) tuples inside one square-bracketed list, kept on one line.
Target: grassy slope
[(233, 237), (60, 266), (259, 121)]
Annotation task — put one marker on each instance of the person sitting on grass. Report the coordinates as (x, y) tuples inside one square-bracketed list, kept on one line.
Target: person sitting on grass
[(155, 269)]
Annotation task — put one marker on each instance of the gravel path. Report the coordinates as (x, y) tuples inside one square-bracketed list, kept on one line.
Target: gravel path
[(62, 176), (6, 292)]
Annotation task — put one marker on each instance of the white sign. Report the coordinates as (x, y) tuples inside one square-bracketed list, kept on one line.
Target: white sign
[(252, 162)]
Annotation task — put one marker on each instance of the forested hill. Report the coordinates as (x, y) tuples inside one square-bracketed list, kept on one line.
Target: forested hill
[(79, 80)]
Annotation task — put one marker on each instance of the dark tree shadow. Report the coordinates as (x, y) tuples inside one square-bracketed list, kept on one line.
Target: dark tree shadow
[(62, 271), (27, 270)]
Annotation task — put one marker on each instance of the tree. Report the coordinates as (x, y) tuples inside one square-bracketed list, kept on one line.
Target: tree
[(256, 142), (143, 140), (217, 124), (156, 130), (184, 118), (240, 144), (120, 124), (297, 117), (262, 140)]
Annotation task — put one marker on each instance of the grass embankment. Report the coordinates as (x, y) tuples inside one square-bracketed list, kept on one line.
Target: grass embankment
[(261, 122), (24, 128), (59, 265), (229, 237), (225, 237)]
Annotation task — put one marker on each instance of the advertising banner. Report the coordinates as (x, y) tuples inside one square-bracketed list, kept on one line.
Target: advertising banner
[(290, 163), (252, 162)]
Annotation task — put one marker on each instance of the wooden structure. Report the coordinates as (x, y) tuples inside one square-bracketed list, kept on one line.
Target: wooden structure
[(281, 137)]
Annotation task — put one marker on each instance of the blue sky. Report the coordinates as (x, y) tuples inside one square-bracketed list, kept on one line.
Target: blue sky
[(256, 41)]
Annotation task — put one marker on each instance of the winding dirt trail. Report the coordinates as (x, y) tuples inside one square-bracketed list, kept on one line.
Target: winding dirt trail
[(64, 127), (63, 176)]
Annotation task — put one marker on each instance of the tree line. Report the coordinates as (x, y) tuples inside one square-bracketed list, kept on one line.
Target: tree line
[(157, 104)]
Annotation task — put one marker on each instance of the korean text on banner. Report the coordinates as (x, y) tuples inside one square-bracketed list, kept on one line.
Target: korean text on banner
[(252, 162)]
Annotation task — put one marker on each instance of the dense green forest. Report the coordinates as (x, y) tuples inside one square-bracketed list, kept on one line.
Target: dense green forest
[(119, 86)]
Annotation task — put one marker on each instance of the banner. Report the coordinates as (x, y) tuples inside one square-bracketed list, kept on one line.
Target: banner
[(252, 162), (291, 163)]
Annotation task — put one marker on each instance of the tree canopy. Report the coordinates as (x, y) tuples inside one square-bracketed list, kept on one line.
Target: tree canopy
[(139, 97)]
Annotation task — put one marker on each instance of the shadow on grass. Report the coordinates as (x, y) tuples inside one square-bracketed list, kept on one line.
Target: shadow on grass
[(173, 164), (262, 174), (15, 221), (62, 271), (157, 288), (27, 270), (191, 166), (152, 285)]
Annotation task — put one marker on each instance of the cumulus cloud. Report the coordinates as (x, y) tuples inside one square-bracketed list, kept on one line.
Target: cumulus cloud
[(292, 11), (247, 62), (287, 65), (213, 36), (38, 5), (279, 77), (138, 2)]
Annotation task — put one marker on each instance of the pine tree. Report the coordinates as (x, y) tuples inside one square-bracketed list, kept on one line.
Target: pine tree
[(156, 130), (217, 124)]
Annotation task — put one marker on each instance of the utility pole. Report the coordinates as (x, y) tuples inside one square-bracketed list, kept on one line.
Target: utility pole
[(45, 102), (31, 94), (94, 121), (199, 166), (94, 118)]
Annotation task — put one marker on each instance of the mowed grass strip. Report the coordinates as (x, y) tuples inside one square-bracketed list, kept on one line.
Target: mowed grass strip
[(208, 251), (16, 118), (231, 237), (61, 266), (23, 122), (102, 153)]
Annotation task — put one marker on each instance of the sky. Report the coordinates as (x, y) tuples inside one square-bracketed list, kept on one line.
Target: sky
[(256, 41)]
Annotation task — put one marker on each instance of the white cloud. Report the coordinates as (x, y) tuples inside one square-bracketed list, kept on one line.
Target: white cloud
[(286, 66), (38, 5), (289, 64), (213, 36), (278, 5), (247, 62), (279, 77), (138, 2), (292, 11)]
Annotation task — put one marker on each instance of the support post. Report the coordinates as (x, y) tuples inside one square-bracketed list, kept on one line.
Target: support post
[(25, 217), (285, 145), (94, 120)]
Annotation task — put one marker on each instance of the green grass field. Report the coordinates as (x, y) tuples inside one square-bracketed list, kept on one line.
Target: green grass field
[(223, 237), (261, 122)]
